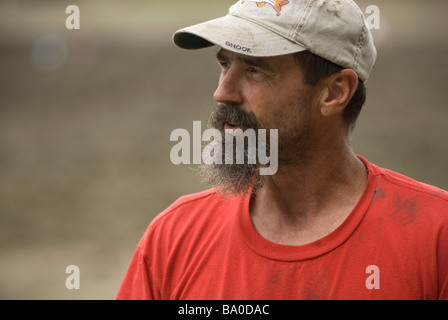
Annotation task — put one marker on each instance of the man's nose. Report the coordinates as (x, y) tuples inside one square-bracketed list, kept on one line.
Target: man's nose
[(229, 90)]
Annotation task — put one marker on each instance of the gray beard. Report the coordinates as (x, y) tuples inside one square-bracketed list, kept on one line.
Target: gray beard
[(232, 179)]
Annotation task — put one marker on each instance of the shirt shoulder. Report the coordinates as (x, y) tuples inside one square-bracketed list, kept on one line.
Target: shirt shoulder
[(189, 218), (406, 199), (412, 186), (181, 205)]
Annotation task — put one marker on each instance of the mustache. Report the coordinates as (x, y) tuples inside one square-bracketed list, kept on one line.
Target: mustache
[(233, 115)]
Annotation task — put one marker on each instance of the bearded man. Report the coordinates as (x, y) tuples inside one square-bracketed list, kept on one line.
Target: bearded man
[(328, 224)]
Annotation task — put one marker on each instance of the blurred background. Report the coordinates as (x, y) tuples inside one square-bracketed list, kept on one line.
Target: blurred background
[(86, 117)]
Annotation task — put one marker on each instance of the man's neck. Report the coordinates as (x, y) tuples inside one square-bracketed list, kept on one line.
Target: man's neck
[(305, 202)]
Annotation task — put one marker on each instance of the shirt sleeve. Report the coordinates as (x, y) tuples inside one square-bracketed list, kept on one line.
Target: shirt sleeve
[(442, 263), (136, 284), (146, 274)]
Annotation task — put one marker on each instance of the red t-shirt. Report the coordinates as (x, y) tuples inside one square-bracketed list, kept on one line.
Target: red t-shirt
[(394, 245)]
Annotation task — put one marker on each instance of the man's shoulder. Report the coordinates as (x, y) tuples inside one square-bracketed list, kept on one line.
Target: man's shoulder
[(189, 199), (189, 219), (402, 194), (194, 210), (412, 186)]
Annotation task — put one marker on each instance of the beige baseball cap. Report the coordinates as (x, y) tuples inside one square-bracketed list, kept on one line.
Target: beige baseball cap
[(335, 30)]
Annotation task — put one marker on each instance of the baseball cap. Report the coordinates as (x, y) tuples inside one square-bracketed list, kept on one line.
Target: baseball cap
[(335, 30)]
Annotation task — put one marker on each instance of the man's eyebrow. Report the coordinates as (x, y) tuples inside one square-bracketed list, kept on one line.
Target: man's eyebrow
[(251, 61), (220, 56)]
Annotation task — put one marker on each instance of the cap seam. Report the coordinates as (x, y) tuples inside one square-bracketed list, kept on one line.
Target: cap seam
[(304, 17), (361, 40)]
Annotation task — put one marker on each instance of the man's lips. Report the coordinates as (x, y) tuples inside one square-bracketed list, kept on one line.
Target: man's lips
[(228, 128)]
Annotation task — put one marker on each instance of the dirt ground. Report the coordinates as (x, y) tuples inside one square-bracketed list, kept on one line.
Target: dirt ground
[(86, 117)]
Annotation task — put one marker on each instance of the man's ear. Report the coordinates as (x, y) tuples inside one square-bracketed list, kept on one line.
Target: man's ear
[(337, 92)]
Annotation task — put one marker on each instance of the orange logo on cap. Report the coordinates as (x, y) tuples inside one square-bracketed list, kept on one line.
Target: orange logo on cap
[(276, 4)]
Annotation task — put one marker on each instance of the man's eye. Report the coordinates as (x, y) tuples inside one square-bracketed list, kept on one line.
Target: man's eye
[(253, 70), (224, 65)]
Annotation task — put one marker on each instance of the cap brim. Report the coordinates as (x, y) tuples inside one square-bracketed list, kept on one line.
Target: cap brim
[(237, 35)]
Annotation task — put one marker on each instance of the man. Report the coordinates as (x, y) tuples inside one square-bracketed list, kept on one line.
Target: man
[(328, 224)]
